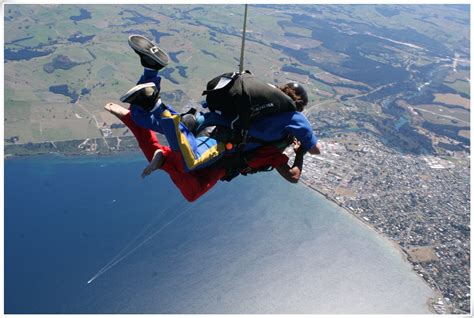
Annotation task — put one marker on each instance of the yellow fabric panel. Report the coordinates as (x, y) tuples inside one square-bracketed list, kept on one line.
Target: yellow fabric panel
[(189, 158)]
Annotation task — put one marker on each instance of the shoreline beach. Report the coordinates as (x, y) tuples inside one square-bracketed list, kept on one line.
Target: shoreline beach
[(403, 253)]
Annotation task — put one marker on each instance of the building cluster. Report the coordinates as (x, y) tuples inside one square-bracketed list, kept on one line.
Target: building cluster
[(420, 201)]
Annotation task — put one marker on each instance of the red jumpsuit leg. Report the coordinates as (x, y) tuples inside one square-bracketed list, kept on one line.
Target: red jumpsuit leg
[(192, 185), (147, 140)]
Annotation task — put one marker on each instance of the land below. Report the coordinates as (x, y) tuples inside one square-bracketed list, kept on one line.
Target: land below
[(389, 89)]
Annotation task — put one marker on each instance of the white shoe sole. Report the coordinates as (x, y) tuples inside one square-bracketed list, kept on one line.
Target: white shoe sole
[(135, 89)]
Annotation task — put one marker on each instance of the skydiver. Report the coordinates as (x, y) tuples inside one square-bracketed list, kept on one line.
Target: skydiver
[(195, 183), (147, 110)]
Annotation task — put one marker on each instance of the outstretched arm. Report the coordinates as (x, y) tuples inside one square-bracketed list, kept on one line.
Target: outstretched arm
[(293, 173)]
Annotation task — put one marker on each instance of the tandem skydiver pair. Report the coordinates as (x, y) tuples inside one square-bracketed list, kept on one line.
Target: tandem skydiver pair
[(211, 146)]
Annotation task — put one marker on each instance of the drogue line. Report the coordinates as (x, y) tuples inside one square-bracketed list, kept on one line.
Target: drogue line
[(118, 258)]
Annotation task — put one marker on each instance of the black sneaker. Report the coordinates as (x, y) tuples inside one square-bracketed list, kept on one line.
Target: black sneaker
[(151, 56), (144, 95)]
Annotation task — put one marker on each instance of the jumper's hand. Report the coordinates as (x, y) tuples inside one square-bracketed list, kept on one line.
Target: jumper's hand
[(296, 145), (316, 150)]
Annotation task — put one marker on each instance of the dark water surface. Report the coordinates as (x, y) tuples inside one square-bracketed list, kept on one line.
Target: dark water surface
[(255, 245)]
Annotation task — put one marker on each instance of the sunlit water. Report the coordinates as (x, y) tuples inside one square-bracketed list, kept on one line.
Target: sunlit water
[(256, 245)]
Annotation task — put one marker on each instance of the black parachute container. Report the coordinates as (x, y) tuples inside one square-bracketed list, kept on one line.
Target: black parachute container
[(243, 97)]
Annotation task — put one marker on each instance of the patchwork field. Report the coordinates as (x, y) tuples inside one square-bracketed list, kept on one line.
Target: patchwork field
[(453, 99), (64, 62), (422, 254), (442, 114)]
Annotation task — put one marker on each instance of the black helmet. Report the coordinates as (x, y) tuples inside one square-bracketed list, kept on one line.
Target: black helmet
[(301, 92)]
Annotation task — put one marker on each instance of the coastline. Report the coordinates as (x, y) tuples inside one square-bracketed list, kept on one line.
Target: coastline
[(403, 253), (74, 147)]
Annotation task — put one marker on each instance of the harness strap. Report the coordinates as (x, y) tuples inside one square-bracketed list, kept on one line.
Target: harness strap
[(238, 163)]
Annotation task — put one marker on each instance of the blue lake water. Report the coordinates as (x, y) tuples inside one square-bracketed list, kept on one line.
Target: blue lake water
[(255, 245)]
